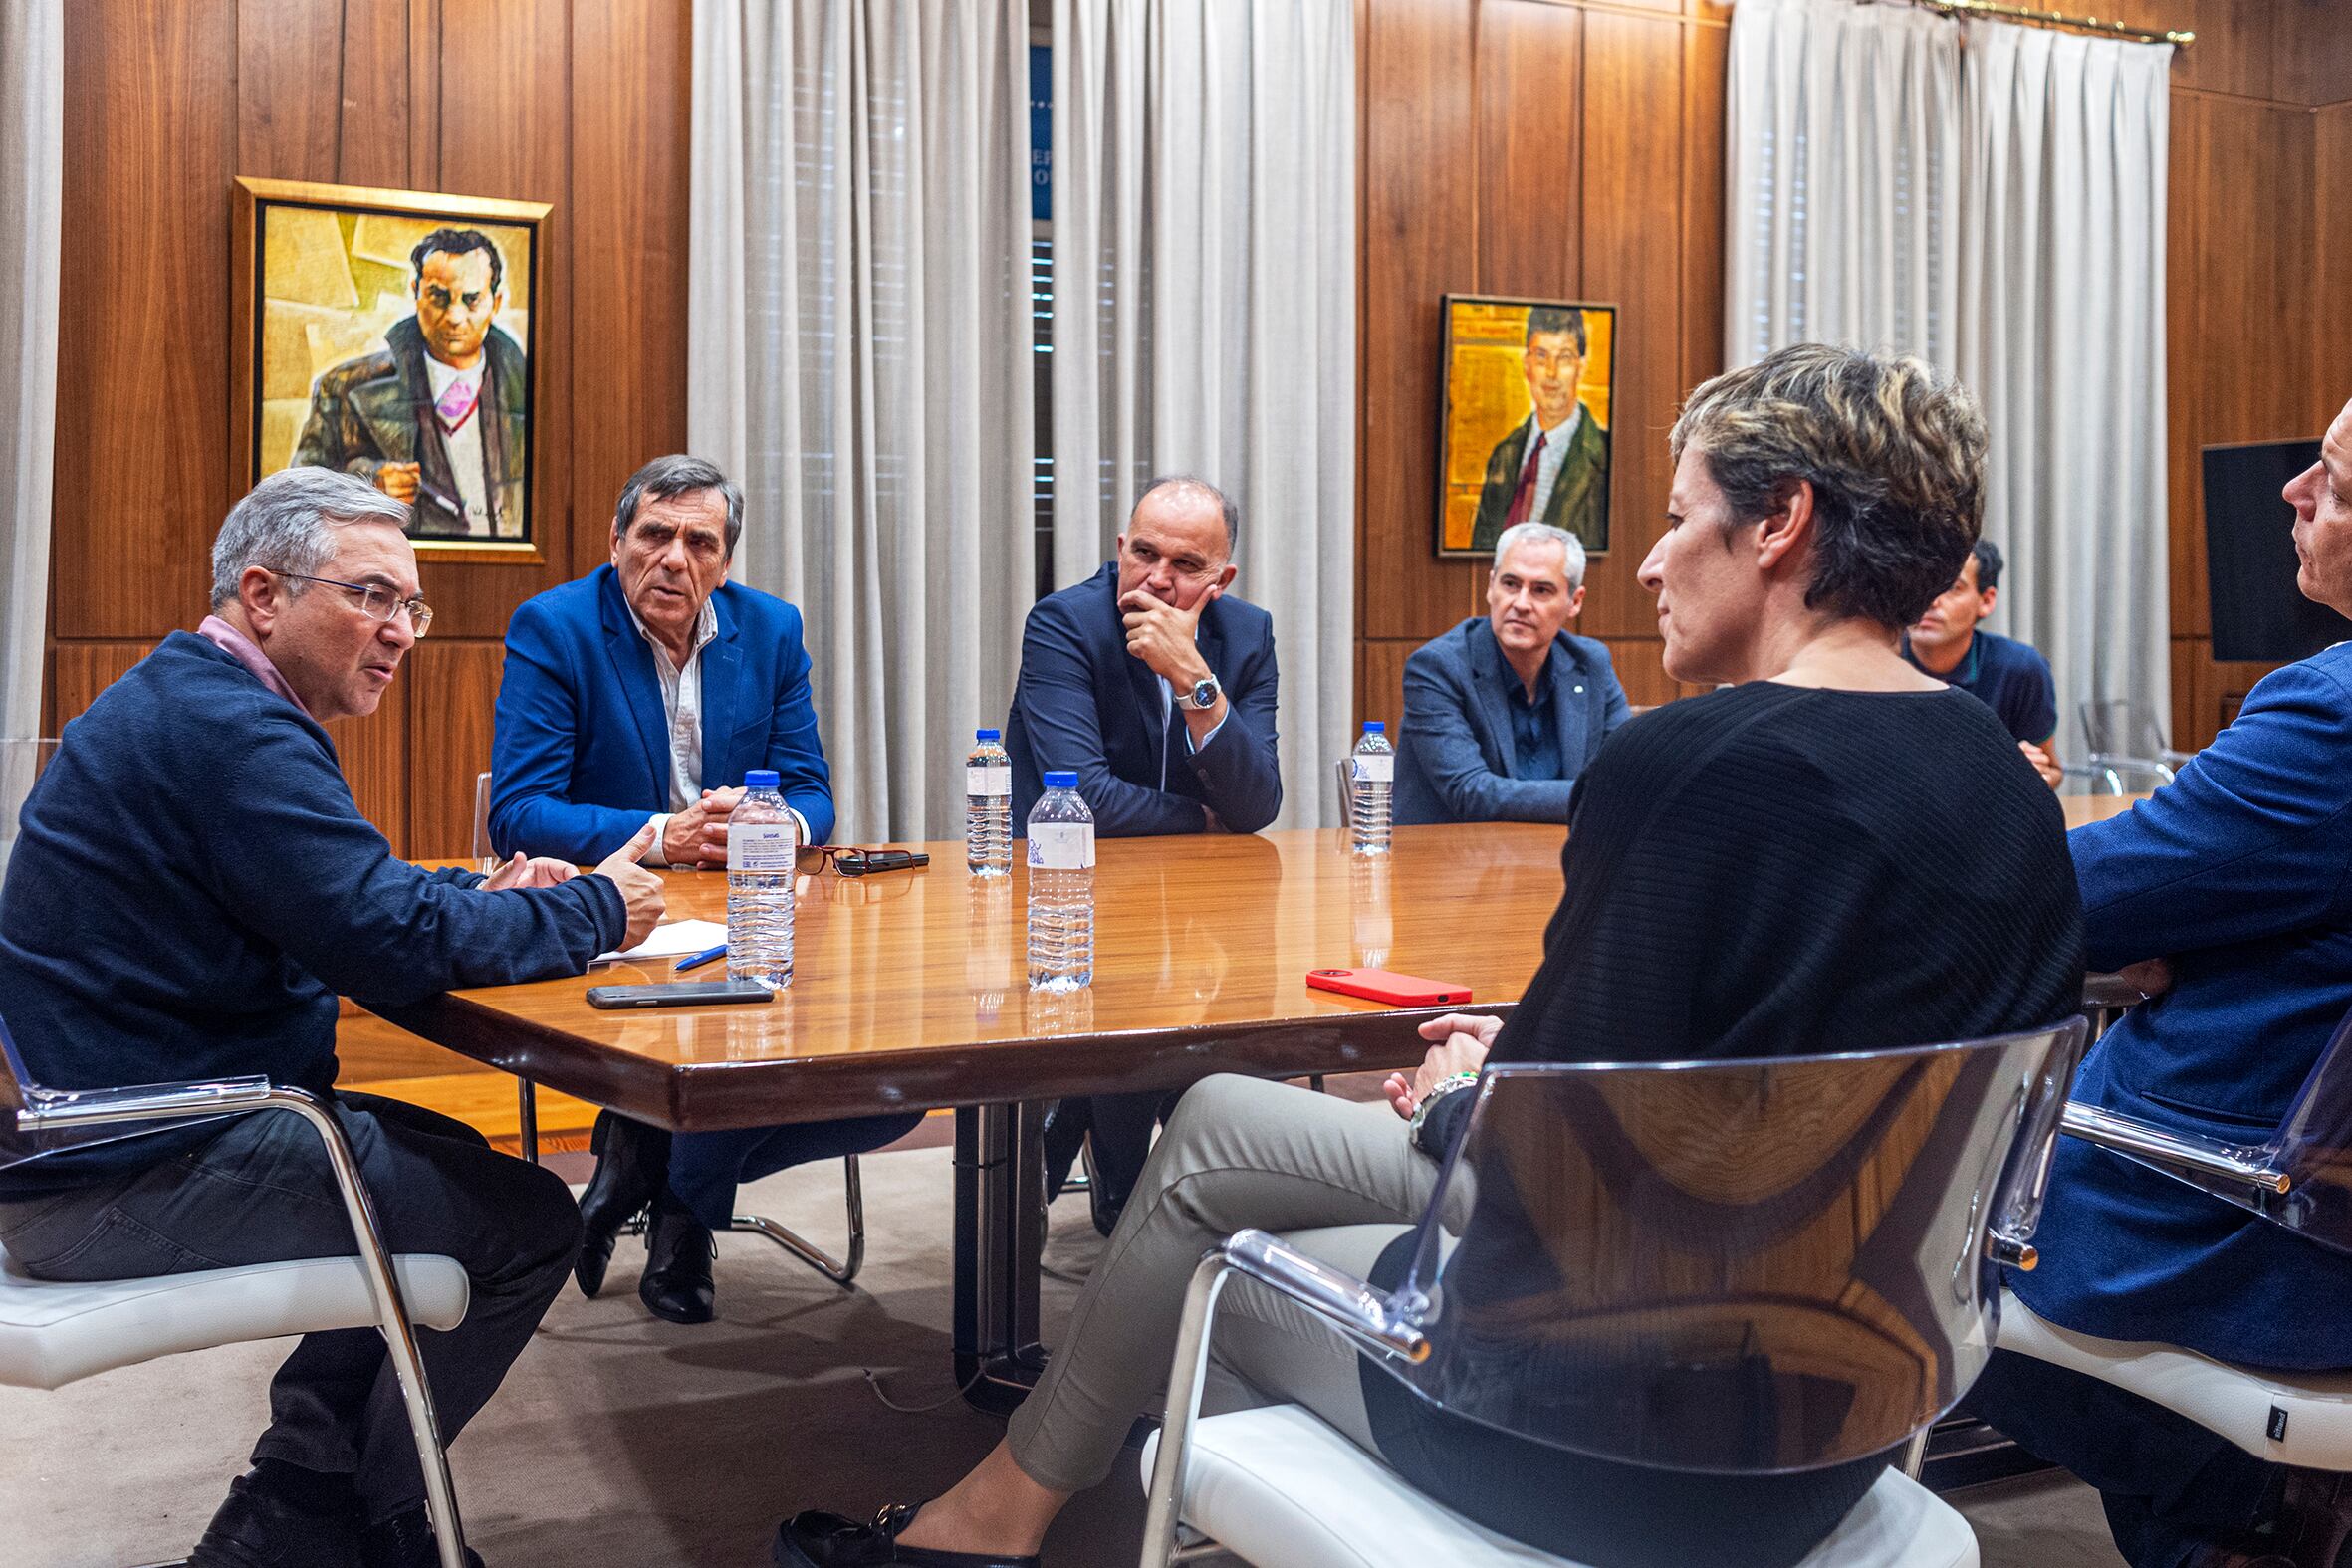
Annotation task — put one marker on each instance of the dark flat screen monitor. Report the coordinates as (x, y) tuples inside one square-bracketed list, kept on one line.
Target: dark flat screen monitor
[(2249, 556)]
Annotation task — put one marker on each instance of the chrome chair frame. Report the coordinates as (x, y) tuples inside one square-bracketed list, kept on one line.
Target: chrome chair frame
[(56, 1110), (1376, 1323), (841, 1271)]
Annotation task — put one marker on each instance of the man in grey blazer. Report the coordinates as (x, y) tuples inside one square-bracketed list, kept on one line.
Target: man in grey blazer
[(1503, 712)]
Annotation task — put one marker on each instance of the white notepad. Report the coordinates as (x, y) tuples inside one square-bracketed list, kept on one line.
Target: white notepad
[(674, 940)]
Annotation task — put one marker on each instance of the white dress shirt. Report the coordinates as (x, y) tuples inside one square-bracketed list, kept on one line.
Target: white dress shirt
[(464, 444), (1549, 461), (681, 706)]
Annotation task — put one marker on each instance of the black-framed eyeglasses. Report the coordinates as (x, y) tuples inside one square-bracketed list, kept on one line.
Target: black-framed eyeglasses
[(811, 858), (377, 601)]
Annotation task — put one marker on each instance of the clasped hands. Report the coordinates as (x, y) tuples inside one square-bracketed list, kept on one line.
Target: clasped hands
[(697, 836), (1463, 1041)]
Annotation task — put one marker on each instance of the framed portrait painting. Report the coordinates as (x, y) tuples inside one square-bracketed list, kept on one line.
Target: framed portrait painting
[(389, 334), (1524, 436)]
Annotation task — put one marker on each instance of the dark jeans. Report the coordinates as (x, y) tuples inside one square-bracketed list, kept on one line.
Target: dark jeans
[(706, 1167), (263, 1191), (1120, 1128), (2169, 1485)]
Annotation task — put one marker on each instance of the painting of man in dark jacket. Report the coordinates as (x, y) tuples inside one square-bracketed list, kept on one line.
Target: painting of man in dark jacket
[(1554, 466), (440, 416)]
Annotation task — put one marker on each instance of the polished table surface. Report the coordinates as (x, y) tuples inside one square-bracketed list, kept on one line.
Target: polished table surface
[(910, 988)]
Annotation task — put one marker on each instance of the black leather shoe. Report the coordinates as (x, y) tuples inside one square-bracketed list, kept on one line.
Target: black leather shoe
[(632, 1164), (405, 1540), (258, 1527), (678, 1252), (826, 1540)]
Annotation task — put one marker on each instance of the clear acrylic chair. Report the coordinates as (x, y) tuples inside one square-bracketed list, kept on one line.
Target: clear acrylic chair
[(53, 1333), (2300, 1177), (1758, 1267), (2122, 731)]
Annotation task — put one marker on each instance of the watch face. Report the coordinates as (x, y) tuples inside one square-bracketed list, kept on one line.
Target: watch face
[(1205, 694)]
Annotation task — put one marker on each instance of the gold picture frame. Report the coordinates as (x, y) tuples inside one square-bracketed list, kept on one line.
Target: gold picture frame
[(1498, 384), (369, 328)]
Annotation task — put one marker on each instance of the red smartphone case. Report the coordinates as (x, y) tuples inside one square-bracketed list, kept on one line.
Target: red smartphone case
[(1380, 984)]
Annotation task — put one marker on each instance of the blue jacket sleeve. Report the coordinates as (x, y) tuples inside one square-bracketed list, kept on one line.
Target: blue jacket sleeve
[(794, 750), (1437, 716), (1240, 770), (328, 891), (538, 723), (1055, 701), (2253, 840)]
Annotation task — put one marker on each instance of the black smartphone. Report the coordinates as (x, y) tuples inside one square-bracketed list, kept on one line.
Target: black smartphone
[(869, 861), (679, 994)]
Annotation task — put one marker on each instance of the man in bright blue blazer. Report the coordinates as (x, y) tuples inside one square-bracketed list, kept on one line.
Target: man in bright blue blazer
[(647, 690), (2233, 884), (1503, 712)]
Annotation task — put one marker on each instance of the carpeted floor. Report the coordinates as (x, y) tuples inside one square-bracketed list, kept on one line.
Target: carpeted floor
[(621, 1439)]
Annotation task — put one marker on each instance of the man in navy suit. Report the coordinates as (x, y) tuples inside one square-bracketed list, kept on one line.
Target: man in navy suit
[(2231, 891), (1157, 688), (1503, 712), (643, 693)]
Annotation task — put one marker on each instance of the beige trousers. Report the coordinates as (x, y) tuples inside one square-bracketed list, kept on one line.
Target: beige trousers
[(1337, 1179)]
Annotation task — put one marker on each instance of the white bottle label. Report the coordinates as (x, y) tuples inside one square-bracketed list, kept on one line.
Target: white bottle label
[(761, 846), (1375, 767), (1061, 846), (994, 780)]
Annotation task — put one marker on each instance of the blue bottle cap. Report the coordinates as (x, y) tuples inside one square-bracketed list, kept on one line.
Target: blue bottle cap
[(760, 778), (1374, 727), (1057, 780), (989, 734)]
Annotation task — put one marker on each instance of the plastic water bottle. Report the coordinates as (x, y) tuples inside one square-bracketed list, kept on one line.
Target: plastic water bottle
[(1371, 776), (1060, 888), (762, 842), (988, 808)]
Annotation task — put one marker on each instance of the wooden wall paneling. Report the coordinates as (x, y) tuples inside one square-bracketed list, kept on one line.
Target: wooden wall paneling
[(1641, 670), (2312, 42), (290, 59), (452, 687), (425, 95), (1419, 219), (2255, 273), (1381, 692), (375, 755), (628, 304), (2209, 690), (2331, 382), (1634, 257), (2235, 41), (1530, 176), (142, 335), (374, 138), (80, 670), (505, 130), (1705, 54)]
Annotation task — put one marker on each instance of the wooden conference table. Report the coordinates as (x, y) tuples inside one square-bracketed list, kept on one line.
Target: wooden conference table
[(909, 993)]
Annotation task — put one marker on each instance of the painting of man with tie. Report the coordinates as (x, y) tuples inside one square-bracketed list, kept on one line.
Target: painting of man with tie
[(1527, 421), (394, 344)]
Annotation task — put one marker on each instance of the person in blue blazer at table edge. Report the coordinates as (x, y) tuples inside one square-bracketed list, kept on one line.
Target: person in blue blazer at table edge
[(1157, 687), (2228, 892), (645, 691), (1503, 712)]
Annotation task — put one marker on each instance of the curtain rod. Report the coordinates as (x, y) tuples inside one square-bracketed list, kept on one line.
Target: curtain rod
[(2178, 39)]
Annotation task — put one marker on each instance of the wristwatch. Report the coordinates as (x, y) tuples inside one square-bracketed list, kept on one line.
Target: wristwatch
[(1204, 693), (1444, 1090)]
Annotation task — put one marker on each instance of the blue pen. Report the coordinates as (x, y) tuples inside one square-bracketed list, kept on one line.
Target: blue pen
[(699, 959)]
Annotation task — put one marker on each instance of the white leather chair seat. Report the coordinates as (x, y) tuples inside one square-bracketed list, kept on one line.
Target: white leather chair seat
[(2236, 1402), (1278, 1487), (52, 1334)]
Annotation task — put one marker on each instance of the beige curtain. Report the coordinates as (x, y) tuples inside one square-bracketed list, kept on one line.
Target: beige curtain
[(858, 359), (32, 136)]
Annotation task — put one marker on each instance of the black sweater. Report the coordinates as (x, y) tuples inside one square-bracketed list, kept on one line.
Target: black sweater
[(1769, 870)]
